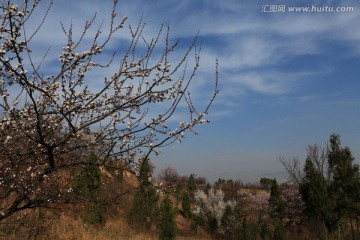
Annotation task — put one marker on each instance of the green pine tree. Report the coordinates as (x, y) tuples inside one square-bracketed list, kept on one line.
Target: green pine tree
[(87, 187), (191, 183), (178, 191), (144, 209), (313, 190), (186, 206), (167, 224), (330, 187), (88, 183), (146, 170), (143, 213), (345, 185), (227, 221), (276, 207)]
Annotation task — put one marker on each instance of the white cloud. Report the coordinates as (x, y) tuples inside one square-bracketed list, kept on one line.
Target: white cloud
[(252, 47)]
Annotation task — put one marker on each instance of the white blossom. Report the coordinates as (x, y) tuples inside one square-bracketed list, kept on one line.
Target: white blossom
[(51, 118), (212, 204)]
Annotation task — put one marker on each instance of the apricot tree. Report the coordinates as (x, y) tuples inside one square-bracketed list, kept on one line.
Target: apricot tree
[(51, 119)]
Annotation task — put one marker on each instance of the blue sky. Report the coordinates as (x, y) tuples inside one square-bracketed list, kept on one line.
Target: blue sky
[(286, 79)]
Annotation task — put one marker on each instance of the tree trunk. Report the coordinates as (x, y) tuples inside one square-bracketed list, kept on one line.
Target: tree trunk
[(357, 226), (352, 228), (324, 235)]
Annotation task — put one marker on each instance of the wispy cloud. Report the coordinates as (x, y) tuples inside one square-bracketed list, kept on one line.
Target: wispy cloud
[(253, 48), (280, 84)]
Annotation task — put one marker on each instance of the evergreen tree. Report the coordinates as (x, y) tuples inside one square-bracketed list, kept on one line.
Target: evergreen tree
[(178, 191), (313, 190), (231, 222), (88, 183), (167, 224), (144, 209), (330, 186), (276, 207), (87, 187), (186, 206), (191, 183), (227, 222), (345, 185), (145, 171), (266, 182), (335, 197), (207, 188), (95, 215)]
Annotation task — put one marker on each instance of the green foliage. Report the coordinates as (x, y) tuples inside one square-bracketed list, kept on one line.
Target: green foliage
[(145, 172), (313, 190), (116, 169), (207, 188), (88, 184), (95, 215), (87, 187), (331, 195), (279, 232), (178, 191), (276, 206), (251, 230), (346, 179), (197, 220), (144, 209), (226, 223), (266, 182), (231, 222), (265, 232), (167, 224), (185, 205), (192, 183), (220, 181)]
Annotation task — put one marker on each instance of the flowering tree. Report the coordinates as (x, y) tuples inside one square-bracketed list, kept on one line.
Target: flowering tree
[(212, 205), (292, 201), (51, 120)]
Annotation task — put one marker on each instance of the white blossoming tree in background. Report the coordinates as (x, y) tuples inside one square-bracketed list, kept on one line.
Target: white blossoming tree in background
[(212, 205), (50, 120)]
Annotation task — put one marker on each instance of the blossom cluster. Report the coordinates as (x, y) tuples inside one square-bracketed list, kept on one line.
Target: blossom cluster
[(212, 204), (50, 122)]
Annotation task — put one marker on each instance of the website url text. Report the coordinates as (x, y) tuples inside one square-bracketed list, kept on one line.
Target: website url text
[(312, 9)]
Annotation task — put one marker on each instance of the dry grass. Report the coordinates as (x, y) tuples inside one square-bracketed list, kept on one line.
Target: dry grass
[(71, 227)]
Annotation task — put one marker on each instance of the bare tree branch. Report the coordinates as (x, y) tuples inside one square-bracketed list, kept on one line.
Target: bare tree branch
[(50, 122)]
